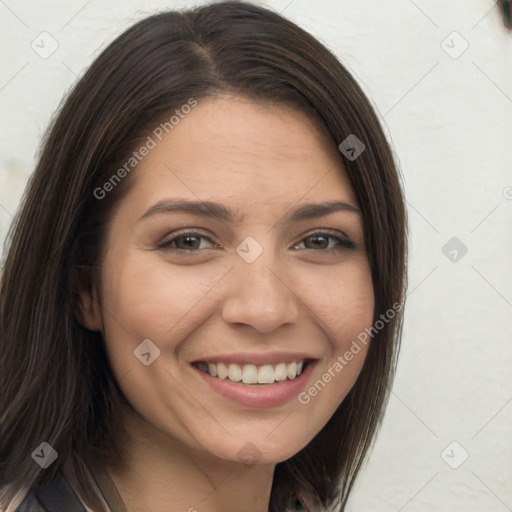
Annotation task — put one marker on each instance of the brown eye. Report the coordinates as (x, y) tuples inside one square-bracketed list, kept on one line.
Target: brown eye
[(187, 242), (317, 242), (325, 241)]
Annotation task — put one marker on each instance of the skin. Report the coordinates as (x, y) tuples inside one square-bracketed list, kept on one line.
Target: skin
[(261, 161)]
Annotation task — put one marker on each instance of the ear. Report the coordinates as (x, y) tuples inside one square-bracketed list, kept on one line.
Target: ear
[(88, 311)]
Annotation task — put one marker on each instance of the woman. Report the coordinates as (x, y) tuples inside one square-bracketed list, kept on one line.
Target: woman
[(201, 301)]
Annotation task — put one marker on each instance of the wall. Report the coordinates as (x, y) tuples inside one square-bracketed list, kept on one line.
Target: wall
[(448, 112)]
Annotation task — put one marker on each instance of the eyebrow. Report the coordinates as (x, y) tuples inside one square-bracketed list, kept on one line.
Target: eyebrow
[(221, 212)]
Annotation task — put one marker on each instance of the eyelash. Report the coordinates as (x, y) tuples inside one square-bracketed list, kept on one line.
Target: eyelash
[(342, 243)]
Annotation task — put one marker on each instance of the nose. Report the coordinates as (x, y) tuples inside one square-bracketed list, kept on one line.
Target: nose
[(260, 296)]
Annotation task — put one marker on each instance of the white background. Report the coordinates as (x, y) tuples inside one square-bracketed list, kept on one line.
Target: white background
[(449, 120)]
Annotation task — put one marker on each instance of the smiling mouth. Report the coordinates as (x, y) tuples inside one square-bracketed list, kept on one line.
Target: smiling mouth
[(252, 374)]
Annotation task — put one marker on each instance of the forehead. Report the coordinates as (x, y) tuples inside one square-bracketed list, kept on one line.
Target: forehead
[(232, 149)]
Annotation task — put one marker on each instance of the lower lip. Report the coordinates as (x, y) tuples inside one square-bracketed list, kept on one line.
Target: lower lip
[(270, 395)]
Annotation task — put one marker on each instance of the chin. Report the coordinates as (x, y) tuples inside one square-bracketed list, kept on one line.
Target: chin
[(260, 450)]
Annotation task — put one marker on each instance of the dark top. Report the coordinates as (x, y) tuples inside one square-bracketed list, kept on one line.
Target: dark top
[(56, 496), (59, 496)]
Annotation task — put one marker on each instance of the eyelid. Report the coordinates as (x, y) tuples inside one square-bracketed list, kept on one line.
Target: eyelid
[(190, 231), (325, 231)]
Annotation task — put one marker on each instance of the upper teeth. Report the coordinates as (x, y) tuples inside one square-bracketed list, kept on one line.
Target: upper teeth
[(252, 374)]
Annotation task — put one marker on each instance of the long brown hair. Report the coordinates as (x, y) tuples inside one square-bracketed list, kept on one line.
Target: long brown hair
[(56, 381)]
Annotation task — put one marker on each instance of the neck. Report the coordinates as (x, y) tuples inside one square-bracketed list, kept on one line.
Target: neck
[(158, 472)]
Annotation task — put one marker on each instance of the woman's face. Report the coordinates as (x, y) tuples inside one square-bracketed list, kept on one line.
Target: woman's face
[(223, 258)]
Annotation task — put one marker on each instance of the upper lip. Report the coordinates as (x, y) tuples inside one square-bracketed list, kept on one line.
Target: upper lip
[(258, 358)]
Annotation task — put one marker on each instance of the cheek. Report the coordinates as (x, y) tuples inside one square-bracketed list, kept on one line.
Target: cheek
[(357, 305), (342, 300), (157, 301), (150, 301), (346, 309)]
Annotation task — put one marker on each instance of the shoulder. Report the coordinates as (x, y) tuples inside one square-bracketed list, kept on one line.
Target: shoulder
[(55, 496)]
